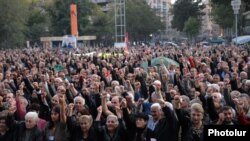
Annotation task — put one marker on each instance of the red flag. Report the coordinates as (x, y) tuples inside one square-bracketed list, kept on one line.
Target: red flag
[(126, 44)]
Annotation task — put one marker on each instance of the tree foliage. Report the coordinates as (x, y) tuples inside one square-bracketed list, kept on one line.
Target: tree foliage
[(141, 20), (101, 25), (38, 21), (60, 16), (192, 26), (12, 22), (223, 15), (222, 12), (182, 10)]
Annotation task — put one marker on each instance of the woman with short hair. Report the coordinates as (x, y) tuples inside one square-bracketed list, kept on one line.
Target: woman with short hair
[(192, 123), (82, 131), (26, 131)]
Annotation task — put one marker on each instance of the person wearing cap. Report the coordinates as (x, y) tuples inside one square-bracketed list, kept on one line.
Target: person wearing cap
[(136, 124)]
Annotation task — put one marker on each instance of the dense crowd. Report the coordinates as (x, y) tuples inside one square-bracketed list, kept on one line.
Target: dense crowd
[(103, 94)]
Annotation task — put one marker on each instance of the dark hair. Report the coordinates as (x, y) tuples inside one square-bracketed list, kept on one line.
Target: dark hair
[(225, 108), (34, 107), (56, 109), (142, 115)]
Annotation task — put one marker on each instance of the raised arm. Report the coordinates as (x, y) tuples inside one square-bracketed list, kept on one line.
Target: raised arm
[(62, 103), (105, 109)]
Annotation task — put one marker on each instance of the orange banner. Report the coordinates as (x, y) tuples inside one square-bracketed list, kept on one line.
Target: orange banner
[(73, 14), (126, 51)]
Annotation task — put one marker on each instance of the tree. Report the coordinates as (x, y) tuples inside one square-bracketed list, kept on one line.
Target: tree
[(192, 27), (101, 25), (183, 9), (141, 20), (12, 23), (60, 16), (38, 21), (223, 15)]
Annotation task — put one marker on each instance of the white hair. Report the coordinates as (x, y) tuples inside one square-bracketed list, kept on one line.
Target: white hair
[(114, 117), (247, 82), (32, 115), (217, 94), (156, 105), (169, 105), (157, 82), (115, 83), (79, 98), (215, 87)]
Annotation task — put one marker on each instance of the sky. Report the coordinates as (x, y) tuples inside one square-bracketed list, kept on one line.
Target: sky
[(172, 1)]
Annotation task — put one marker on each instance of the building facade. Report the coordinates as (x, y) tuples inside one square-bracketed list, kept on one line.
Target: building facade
[(162, 9)]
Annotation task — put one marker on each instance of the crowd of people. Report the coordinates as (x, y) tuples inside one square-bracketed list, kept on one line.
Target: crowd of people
[(65, 95)]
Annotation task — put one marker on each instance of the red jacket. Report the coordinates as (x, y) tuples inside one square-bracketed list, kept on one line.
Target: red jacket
[(243, 119)]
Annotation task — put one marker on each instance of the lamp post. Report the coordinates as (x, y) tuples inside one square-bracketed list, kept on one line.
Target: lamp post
[(236, 7)]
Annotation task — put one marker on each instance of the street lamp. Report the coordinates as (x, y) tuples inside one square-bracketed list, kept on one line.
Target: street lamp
[(236, 7)]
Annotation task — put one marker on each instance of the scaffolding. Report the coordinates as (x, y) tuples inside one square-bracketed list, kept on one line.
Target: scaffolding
[(120, 22)]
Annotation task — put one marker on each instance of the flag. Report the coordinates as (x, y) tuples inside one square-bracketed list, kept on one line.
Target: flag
[(73, 13), (126, 44)]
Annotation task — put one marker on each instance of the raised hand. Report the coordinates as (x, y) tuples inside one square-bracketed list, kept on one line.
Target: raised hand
[(71, 106), (177, 101), (61, 99), (124, 103), (99, 109)]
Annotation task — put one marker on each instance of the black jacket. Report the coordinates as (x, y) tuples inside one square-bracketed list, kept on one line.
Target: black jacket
[(19, 131), (134, 133), (8, 136), (76, 132), (103, 134), (167, 127)]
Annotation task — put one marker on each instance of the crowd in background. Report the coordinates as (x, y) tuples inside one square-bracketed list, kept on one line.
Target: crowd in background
[(114, 98)]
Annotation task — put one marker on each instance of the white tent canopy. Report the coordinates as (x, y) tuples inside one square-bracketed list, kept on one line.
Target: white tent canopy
[(242, 39)]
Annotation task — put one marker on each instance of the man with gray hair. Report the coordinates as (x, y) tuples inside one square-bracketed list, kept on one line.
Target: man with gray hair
[(163, 122)]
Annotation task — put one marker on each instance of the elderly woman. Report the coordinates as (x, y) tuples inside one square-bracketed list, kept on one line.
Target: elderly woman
[(26, 131), (82, 131), (77, 109)]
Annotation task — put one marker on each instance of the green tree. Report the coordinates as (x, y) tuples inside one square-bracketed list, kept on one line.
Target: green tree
[(183, 9), (141, 20), (101, 25), (60, 16), (38, 21), (223, 15), (192, 27), (12, 23)]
